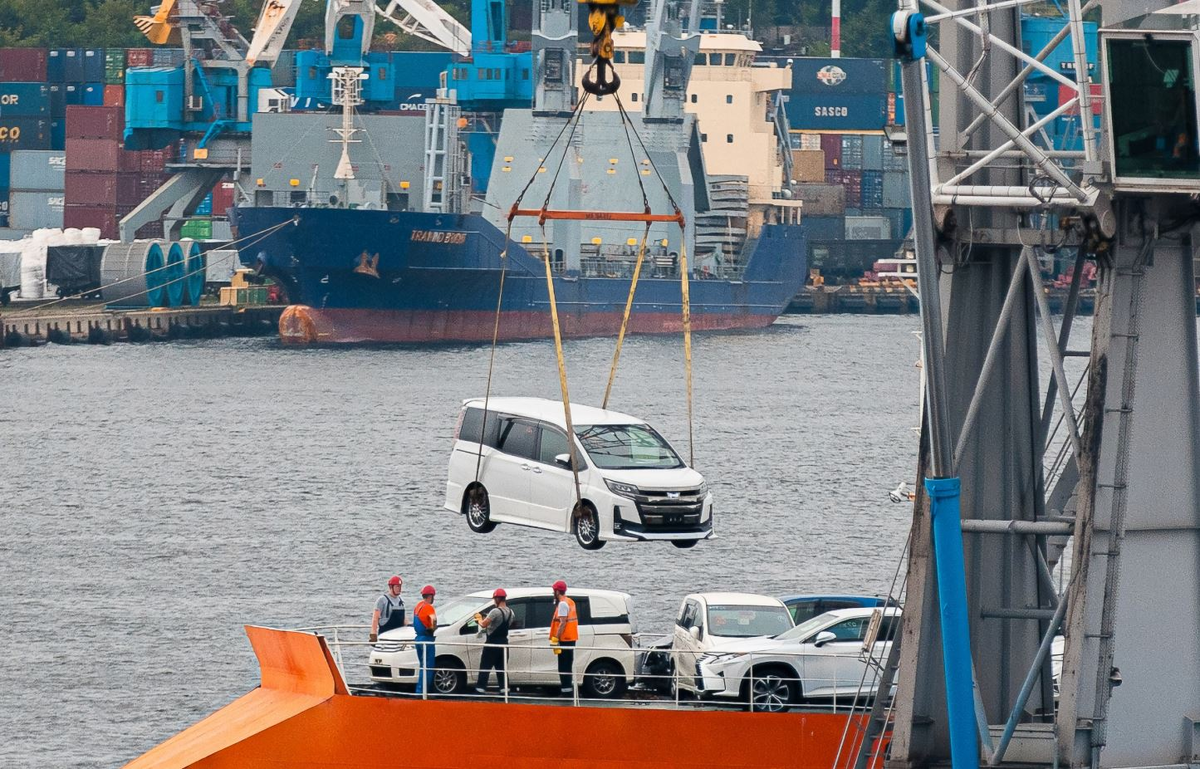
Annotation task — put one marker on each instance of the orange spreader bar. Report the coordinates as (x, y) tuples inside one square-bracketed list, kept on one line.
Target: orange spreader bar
[(603, 216)]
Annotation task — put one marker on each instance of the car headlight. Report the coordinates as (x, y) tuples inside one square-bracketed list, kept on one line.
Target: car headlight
[(708, 659), (703, 490), (624, 489)]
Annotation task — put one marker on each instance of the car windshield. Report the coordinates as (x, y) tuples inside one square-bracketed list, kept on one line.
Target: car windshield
[(803, 629), (457, 609), (627, 447), (731, 621)]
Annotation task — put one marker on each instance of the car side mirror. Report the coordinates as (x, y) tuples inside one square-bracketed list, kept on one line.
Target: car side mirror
[(823, 638), (694, 632), (563, 460)]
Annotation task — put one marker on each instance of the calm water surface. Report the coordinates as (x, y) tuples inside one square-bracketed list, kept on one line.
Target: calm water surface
[(156, 498)]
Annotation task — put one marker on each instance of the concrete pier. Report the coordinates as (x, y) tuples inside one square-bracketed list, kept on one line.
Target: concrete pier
[(90, 323)]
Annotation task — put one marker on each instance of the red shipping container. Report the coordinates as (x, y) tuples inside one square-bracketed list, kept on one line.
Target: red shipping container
[(103, 217), (152, 161), (96, 123), (831, 145), (114, 96), (94, 155), (139, 57), (1066, 93), (94, 188), (23, 65), (222, 198)]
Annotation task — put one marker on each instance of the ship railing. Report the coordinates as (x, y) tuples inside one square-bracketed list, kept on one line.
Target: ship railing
[(813, 681), (592, 266)]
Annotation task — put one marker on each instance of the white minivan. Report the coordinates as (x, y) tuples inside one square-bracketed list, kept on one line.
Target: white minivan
[(513, 465)]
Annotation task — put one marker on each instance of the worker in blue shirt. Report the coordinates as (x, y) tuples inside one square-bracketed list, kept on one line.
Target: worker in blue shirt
[(425, 623)]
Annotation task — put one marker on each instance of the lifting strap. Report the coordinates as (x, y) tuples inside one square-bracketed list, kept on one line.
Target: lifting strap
[(562, 372)]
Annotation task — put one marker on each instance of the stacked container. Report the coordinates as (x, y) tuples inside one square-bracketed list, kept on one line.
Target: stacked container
[(24, 125), (36, 200), (104, 182), (77, 77)]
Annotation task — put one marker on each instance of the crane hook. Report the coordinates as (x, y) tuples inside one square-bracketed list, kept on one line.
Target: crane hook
[(604, 18)]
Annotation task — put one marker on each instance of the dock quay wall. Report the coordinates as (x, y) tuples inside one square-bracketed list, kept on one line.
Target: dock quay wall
[(92, 324)]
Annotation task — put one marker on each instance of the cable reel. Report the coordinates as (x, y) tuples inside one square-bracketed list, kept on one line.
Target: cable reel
[(604, 18)]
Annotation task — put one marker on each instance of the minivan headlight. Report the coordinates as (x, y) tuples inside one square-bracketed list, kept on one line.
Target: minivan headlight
[(624, 489)]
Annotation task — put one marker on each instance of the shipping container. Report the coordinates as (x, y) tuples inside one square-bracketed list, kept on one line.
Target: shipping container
[(872, 189), (852, 152), (809, 141), (831, 145), (824, 228), (852, 182), (92, 94), (820, 199), (895, 217), (139, 57), (5, 172), (58, 134), (868, 228), (24, 100), (75, 65), (1037, 32), (872, 146), (205, 207), (808, 165), (104, 218), (122, 190), (33, 210), (24, 133), (196, 229), (838, 112), (114, 66), (95, 155), (96, 123), (38, 170), (153, 161), (114, 96), (167, 57), (896, 191), (895, 156), (61, 95), (223, 198), (23, 65), (812, 76)]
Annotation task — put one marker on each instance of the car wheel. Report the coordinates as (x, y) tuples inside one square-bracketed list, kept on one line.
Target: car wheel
[(449, 676), (604, 680), (478, 510), (770, 691), (684, 544), (587, 528)]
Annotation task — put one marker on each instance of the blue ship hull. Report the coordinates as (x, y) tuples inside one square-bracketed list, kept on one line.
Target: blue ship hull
[(386, 276)]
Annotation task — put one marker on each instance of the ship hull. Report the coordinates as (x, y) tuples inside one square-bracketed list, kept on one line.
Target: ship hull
[(303, 715), (356, 276)]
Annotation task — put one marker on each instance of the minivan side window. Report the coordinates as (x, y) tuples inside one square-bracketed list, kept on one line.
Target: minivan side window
[(472, 424), (553, 444), (541, 610), (520, 608), (518, 438)]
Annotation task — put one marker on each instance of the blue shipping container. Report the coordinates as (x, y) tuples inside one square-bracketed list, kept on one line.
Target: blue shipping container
[(91, 94), (75, 65), (842, 76), (24, 100), (58, 134), (24, 133), (837, 112), (205, 207), (1037, 31), (5, 173), (824, 227), (872, 189)]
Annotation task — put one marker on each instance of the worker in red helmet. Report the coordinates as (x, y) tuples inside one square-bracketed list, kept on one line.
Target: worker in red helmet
[(564, 632), (496, 624), (425, 623), (389, 609)]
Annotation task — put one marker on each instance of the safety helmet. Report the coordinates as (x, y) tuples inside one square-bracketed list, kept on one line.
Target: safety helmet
[(499, 593), (560, 587), (428, 590), (395, 580)]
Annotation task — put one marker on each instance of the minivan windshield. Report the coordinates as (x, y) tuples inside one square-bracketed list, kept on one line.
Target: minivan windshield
[(729, 621), (627, 447), (457, 609)]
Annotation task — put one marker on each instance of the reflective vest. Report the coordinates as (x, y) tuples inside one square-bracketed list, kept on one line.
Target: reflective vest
[(426, 620), (570, 629)]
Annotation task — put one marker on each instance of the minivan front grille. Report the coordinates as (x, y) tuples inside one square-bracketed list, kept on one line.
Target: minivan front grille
[(670, 508)]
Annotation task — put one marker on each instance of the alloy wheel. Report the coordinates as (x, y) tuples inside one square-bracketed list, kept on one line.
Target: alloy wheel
[(772, 693)]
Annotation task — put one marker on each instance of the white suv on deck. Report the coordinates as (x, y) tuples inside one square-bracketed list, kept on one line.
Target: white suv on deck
[(711, 622), (513, 466), (604, 657)]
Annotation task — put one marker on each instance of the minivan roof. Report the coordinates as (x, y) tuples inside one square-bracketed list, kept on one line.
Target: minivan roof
[(534, 592), (740, 599), (551, 411)]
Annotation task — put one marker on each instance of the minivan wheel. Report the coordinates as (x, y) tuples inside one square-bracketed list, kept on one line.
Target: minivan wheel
[(604, 680), (684, 544), (587, 528), (478, 510), (449, 676)]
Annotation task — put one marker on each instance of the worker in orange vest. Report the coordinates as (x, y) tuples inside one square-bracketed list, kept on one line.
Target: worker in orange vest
[(564, 632), (425, 623)]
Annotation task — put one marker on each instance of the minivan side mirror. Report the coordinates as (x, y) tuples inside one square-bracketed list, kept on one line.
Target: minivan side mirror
[(694, 632), (563, 460), (823, 638)]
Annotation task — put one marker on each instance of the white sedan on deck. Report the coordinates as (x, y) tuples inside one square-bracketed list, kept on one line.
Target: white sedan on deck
[(826, 657)]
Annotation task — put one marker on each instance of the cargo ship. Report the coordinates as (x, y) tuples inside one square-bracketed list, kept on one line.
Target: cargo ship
[(375, 241)]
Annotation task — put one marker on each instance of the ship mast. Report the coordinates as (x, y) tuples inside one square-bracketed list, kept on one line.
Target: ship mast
[(347, 93)]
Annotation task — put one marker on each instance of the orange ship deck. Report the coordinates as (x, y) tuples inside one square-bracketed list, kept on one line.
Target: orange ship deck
[(303, 715)]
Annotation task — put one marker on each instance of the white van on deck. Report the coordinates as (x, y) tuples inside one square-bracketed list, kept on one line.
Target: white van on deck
[(633, 485)]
